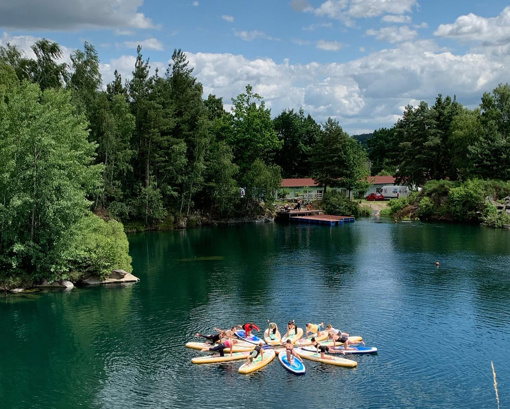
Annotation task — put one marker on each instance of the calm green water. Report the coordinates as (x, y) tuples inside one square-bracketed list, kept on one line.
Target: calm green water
[(437, 329)]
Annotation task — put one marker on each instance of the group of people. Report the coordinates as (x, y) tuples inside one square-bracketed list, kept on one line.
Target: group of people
[(224, 339)]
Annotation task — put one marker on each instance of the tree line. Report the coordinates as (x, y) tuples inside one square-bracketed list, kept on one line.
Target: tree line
[(152, 150)]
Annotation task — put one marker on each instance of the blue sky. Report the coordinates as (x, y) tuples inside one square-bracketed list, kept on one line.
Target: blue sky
[(358, 61)]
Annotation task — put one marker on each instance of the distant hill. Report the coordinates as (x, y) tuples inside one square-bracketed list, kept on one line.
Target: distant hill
[(363, 138)]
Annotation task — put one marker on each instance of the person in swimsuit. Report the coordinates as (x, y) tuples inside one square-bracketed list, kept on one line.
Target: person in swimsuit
[(273, 329), (338, 336), (324, 348), (227, 343), (258, 350), (314, 329), (291, 353), (291, 329), (213, 338)]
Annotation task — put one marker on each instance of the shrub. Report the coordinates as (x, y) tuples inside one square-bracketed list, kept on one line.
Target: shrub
[(335, 202)]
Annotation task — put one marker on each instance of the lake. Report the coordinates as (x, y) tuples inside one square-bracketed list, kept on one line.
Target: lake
[(437, 329)]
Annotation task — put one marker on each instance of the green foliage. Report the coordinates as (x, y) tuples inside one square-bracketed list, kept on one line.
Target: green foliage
[(335, 202), (337, 159), (99, 247), (263, 181), (298, 135), (492, 218), (46, 172), (466, 202), (397, 205), (426, 208), (253, 136)]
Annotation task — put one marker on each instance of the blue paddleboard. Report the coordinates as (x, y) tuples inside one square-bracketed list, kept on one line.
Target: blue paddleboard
[(297, 366), (353, 349), (253, 339)]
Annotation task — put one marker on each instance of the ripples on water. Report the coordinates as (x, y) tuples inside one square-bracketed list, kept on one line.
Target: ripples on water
[(437, 329)]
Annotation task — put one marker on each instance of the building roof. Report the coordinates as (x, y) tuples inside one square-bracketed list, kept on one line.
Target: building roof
[(309, 182), (381, 180), (299, 182)]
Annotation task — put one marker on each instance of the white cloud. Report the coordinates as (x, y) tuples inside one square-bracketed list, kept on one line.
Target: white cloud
[(252, 35), (72, 15), (390, 18), (472, 28), (349, 10), (393, 34), (314, 27), (374, 8), (329, 45), (150, 44), (230, 19), (196, 3)]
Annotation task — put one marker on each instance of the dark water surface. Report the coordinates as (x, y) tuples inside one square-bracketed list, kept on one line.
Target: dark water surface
[(437, 329)]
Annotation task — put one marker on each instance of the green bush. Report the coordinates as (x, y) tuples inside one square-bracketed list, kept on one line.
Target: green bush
[(492, 218), (335, 202), (466, 201), (99, 247)]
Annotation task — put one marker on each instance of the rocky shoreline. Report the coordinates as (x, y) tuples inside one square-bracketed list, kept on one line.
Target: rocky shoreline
[(116, 277)]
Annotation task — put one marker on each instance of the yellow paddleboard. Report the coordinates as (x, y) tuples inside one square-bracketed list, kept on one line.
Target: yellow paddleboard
[(258, 363), (237, 347), (333, 360), (308, 340), (271, 339), (212, 359), (294, 337)]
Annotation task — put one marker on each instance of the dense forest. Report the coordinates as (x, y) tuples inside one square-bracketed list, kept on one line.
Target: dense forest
[(151, 151)]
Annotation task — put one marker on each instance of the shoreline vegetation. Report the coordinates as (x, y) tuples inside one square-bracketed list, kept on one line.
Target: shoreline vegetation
[(83, 163)]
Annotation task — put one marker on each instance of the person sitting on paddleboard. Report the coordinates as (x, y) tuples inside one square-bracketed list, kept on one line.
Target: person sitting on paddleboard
[(324, 348), (248, 328), (258, 350), (227, 343), (291, 329), (291, 353), (314, 329)]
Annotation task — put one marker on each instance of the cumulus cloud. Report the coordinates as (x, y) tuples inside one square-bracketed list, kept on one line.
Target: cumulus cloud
[(230, 19), (493, 31), (72, 15), (349, 10), (329, 45), (252, 35), (390, 18), (150, 44), (393, 34)]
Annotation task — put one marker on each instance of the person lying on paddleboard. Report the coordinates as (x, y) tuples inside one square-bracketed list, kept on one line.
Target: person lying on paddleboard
[(227, 343), (324, 348), (314, 329), (291, 329), (213, 338), (258, 350), (291, 353), (248, 328)]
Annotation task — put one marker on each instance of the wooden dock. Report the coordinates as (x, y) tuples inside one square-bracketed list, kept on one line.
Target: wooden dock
[(314, 217), (323, 219)]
